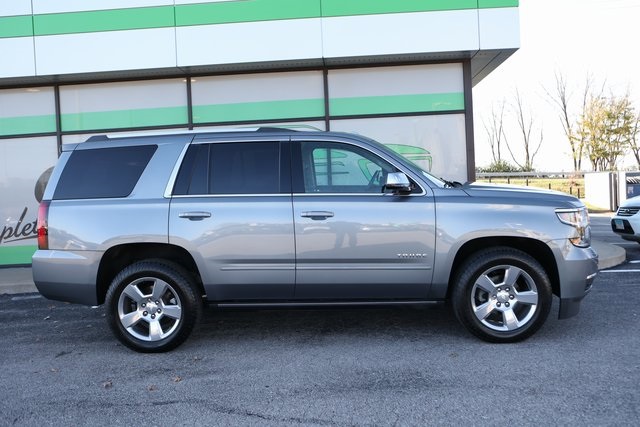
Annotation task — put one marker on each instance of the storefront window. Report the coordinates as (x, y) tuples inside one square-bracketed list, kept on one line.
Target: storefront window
[(393, 90), (436, 142), (25, 165), (253, 97), (123, 105), (27, 111)]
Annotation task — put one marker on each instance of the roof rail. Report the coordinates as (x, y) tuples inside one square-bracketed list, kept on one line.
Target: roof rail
[(275, 128), (98, 138), (293, 128)]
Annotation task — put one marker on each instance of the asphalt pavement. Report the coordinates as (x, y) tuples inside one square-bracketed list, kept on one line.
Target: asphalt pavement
[(401, 366), (60, 364)]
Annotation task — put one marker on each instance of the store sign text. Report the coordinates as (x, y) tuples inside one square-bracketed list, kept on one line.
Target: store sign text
[(21, 231)]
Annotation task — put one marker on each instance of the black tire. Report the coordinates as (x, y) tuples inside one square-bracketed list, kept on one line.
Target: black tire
[(152, 306), (499, 310)]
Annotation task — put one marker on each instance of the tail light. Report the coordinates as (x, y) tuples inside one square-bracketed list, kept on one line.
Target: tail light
[(43, 225)]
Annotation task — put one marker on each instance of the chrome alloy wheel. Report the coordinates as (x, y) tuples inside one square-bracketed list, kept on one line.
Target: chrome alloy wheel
[(504, 298), (149, 309)]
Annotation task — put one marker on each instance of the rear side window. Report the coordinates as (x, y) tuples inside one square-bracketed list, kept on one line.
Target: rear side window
[(230, 168), (103, 173)]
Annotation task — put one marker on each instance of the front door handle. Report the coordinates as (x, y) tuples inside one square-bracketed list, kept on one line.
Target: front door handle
[(317, 215), (194, 216)]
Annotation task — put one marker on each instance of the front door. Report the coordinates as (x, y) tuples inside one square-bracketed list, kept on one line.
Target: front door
[(353, 240)]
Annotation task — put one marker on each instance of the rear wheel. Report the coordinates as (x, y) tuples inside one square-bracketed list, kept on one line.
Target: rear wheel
[(152, 306), (502, 295)]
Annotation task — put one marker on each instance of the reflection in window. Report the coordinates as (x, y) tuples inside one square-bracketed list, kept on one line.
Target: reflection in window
[(340, 168)]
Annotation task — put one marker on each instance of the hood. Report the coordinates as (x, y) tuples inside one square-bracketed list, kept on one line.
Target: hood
[(526, 195), (632, 202)]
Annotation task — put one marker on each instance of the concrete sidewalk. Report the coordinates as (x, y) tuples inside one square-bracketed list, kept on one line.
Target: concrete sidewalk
[(18, 280)]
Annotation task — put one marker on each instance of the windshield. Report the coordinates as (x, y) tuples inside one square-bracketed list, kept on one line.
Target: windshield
[(437, 181)]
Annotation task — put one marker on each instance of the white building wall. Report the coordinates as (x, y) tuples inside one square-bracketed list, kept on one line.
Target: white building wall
[(401, 33), (162, 44), (246, 42), (499, 28), (105, 51), (20, 50), (50, 48), (15, 7)]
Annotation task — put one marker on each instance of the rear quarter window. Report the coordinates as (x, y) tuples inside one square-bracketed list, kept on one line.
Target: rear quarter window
[(103, 173)]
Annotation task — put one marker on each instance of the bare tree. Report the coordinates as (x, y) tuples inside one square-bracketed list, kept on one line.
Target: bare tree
[(561, 98), (494, 129), (526, 125)]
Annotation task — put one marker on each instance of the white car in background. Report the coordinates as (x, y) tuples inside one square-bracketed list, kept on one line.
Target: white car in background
[(626, 221)]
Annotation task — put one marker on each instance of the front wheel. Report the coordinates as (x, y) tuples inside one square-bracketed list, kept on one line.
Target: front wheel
[(152, 306), (502, 295)]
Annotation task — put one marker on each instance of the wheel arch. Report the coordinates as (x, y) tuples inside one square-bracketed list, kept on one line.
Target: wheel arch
[(532, 247), (118, 257)]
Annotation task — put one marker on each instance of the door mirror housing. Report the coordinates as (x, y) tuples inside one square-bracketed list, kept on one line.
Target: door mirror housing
[(398, 182)]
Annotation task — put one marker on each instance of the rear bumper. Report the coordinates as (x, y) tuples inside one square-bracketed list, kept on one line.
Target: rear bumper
[(67, 276)]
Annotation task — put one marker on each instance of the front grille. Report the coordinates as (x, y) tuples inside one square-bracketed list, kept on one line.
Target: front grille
[(628, 211)]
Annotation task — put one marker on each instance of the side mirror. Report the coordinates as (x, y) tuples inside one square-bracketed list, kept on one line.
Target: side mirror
[(398, 182)]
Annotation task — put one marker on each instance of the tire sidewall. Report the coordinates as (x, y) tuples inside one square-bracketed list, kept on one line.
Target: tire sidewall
[(480, 263), (182, 287)]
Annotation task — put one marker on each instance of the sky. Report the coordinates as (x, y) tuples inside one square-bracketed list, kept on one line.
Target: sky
[(577, 38)]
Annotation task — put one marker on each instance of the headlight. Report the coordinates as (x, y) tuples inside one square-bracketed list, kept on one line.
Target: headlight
[(579, 219)]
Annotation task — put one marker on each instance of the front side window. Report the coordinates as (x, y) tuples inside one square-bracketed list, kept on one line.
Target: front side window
[(342, 168), (230, 168)]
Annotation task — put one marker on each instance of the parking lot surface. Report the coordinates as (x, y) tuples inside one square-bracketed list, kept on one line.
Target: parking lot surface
[(60, 365)]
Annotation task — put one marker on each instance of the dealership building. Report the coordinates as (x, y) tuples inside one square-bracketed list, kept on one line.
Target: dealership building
[(399, 71)]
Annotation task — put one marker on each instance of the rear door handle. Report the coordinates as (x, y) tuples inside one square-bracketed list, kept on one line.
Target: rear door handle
[(317, 215), (194, 216)]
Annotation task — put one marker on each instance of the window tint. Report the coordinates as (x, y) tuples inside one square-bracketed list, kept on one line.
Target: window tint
[(342, 168), (194, 171), (230, 168), (103, 173)]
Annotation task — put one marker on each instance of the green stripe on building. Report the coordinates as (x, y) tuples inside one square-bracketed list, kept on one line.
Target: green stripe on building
[(359, 7), (16, 26), (125, 118), (246, 11), (104, 20), (424, 103), (222, 13), (27, 124), (269, 110), (12, 255), (487, 4)]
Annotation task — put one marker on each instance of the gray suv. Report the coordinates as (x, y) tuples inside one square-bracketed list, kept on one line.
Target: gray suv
[(156, 226)]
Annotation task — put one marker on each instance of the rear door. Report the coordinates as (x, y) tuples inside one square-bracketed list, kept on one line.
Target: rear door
[(231, 208), (353, 240)]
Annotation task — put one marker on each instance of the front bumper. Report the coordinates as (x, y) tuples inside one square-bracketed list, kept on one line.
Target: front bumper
[(577, 271), (624, 228)]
